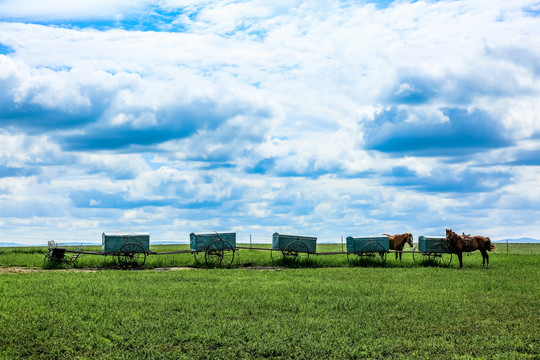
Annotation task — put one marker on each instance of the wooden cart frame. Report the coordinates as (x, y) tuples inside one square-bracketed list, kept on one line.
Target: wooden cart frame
[(218, 250)]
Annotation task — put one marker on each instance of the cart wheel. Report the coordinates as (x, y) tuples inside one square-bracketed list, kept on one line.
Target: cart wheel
[(199, 257), (440, 254), (373, 251), (219, 253), (418, 256), (276, 255), (296, 251), (131, 255)]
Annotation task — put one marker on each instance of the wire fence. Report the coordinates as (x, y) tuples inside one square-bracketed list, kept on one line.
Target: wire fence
[(503, 247), (517, 248)]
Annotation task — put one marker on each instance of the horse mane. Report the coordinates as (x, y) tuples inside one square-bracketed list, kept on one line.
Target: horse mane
[(400, 239), (452, 236)]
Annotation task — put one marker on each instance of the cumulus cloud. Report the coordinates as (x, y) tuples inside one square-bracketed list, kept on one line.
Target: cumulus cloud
[(452, 179), (98, 199), (117, 111), (526, 157), (458, 131), (7, 171), (331, 117)]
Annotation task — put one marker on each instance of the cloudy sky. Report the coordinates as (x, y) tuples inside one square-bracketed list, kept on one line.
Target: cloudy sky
[(325, 118)]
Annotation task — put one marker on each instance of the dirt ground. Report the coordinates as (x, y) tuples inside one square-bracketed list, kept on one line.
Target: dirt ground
[(19, 270)]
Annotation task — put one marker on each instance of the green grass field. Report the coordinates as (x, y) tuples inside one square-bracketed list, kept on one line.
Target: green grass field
[(327, 310), (33, 257)]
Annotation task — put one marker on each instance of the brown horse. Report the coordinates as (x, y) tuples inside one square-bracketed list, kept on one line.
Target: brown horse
[(461, 244), (397, 242)]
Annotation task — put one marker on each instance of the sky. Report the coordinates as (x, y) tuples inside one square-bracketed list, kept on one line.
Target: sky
[(324, 118)]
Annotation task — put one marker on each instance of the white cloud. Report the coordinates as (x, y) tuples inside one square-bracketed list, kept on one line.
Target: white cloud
[(292, 85), (259, 209), (94, 202)]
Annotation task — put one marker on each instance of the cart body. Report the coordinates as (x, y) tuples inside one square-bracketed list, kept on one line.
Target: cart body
[(281, 241), (112, 243), (367, 244), (428, 243), (200, 242)]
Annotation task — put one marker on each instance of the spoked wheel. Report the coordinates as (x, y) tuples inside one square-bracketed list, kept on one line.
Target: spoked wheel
[(419, 256), (295, 251), (199, 257), (219, 253), (276, 255), (131, 255), (373, 251), (440, 254)]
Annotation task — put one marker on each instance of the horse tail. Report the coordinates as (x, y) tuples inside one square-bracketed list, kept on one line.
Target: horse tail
[(490, 246)]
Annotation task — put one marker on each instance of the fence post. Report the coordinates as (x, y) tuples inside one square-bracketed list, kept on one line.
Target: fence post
[(250, 241), (342, 244)]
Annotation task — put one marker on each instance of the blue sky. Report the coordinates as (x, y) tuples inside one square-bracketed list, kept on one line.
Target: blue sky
[(325, 118)]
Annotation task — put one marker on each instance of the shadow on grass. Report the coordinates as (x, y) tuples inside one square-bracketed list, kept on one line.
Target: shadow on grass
[(369, 261), (101, 262), (296, 262), (50, 264), (428, 262)]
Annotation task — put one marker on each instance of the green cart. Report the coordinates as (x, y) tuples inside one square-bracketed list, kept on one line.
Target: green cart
[(215, 249), (373, 248), (129, 249), (292, 247), (434, 249)]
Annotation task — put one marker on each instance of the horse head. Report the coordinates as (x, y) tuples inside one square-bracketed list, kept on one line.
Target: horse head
[(409, 239), (451, 236)]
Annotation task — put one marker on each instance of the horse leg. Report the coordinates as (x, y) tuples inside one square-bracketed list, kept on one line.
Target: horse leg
[(460, 257), (396, 255), (483, 251)]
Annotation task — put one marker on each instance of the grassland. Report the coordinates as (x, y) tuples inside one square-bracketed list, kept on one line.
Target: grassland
[(33, 257), (328, 310)]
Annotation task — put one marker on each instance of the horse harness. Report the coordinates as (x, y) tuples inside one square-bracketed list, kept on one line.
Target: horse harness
[(467, 243)]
